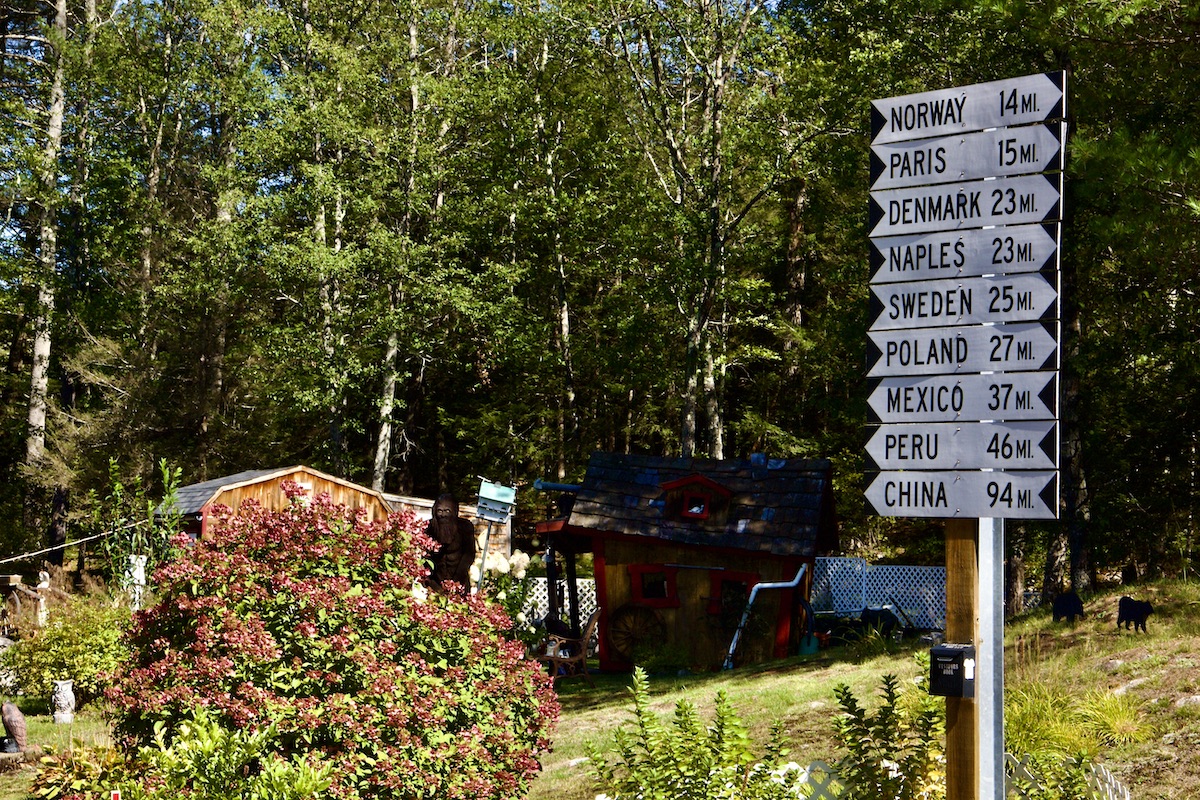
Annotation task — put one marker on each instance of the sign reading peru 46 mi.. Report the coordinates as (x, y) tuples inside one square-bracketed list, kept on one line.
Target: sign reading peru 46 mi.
[(965, 232)]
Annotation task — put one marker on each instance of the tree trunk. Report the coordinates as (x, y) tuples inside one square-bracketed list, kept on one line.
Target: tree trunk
[(1014, 572), (47, 260)]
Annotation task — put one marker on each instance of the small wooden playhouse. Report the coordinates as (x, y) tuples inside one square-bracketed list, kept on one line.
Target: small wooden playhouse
[(678, 544)]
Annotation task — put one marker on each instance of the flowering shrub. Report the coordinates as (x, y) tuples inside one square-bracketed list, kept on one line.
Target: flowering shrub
[(313, 624), (507, 583)]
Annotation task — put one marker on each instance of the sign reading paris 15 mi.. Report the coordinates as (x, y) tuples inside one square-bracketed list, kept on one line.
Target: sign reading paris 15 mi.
[(996, 104), (954, 398), (1020, 444), (963, 254), (1020, 347), (996, 298), (978, 204), (1027, 494), (967, 157)]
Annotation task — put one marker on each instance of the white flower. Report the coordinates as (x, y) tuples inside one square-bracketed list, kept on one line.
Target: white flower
[(419, 593), (474, 573), (521, 618), (501, 597), (496, 563)]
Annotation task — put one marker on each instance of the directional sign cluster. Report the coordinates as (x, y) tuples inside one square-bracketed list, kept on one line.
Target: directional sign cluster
[(963, 351)]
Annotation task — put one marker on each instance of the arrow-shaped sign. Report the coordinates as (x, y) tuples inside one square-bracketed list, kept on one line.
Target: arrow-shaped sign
[(950, 398), (954, 206), (1022, 444), (961, 254), (1019, 347), (1023, 297), (965, 495), (1013, 101), (967, 157)]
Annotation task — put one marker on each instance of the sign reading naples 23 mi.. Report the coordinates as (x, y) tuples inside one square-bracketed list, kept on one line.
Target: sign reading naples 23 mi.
[(963, 352)]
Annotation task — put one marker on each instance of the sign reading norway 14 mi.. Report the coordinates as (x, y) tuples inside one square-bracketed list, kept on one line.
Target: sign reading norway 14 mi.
[(1020, 347), (1022, 297), (953, 398), (1019, 444), (961, 254), (1017, 495), (997, 104), (967, 157), (978, 204)]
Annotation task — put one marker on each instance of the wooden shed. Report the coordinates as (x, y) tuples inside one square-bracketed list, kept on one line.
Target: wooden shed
[(196, 501), (679, 543)]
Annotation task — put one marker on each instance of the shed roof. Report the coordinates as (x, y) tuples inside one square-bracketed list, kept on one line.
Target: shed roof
[(778, 506), (191, 499)]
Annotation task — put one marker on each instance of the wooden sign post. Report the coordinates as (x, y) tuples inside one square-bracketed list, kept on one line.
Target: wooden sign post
[(962, 580)]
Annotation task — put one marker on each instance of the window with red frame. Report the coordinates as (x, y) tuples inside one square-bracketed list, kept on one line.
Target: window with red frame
[(729, 591), (654, 585)]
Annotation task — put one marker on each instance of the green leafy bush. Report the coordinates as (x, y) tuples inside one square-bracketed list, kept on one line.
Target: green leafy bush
[(81, 642), (204, 762), (688, 760), (895, 753), (312, 624)]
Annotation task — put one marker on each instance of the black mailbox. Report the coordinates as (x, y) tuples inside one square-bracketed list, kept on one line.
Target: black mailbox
[(952, 670)]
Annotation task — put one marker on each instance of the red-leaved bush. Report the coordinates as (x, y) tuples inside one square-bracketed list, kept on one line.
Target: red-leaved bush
[(312, 623)]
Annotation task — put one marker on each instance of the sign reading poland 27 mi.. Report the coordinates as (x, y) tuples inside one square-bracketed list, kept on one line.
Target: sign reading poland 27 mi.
[(965, 232)]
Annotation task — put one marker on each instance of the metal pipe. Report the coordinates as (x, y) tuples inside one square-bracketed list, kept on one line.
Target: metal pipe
[(792, 584)]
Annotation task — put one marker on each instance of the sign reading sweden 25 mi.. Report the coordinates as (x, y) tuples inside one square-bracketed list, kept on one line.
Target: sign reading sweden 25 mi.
[(1025, 494), (996, 298), (997, 104)]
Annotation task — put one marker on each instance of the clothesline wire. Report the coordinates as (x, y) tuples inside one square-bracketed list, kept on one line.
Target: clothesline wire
[(84, 540)]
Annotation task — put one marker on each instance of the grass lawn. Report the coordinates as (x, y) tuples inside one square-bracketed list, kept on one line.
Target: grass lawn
[(1154, 741), (88, 728)]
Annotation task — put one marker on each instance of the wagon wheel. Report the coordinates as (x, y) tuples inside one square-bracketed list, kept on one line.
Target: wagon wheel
[(631, 626)]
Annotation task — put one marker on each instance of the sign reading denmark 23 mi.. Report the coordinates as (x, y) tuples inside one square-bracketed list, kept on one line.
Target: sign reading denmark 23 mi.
[(965, 230)]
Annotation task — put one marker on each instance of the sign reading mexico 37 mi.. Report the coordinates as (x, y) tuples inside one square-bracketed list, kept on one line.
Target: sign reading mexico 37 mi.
[(965, 231)]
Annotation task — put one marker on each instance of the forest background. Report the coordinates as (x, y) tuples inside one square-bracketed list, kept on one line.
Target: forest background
[(411, 242)]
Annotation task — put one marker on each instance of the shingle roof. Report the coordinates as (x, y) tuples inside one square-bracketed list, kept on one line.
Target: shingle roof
[(191, 498), (780, 506)]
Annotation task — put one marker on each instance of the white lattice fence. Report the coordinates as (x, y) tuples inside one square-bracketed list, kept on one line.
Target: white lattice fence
[(539, 598), (848, 585), (1103, 784)]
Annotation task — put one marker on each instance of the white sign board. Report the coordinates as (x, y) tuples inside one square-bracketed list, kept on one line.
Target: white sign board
[(1013, 101), (996, 298), (965, 495), (962, 254), (950, 398), (954, 206), (1020, 444), (967, 157), (1020, 347)]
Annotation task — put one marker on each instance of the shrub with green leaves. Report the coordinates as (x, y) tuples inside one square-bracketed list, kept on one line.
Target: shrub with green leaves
[(203, 762), (313, 624), (689, 760), (895, 752), (81, 641)]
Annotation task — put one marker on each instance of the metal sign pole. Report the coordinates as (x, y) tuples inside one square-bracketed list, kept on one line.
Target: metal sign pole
[(990, 655)]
